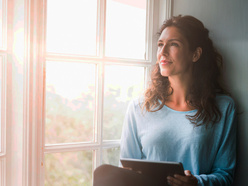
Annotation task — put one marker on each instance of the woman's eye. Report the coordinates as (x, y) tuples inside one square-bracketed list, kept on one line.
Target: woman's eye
[(160, 44), (174, 44)]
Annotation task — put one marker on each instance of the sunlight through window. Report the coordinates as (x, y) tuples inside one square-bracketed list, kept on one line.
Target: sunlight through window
[(71, 26), (91, 74), (70, 102), (126, 28), (122, 84), (70, 168)]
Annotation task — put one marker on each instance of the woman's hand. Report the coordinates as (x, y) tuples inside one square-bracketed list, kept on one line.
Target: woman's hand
[(187, 180)]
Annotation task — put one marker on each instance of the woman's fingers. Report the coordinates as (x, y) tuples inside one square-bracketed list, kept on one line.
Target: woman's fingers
[(177, 180), (187, 173), (173, 182)]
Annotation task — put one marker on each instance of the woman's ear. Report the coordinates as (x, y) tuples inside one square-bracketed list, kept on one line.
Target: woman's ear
[(197, 54)]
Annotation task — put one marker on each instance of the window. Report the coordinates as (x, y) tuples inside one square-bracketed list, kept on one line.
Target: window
[(3, 53), (52, 75), (98, 55)]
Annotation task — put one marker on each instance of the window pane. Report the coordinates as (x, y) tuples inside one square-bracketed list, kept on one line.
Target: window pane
[(111, 156), (126, 28), (1, 23), (70, 102), (71, 26), (70, 168), (122, 84)]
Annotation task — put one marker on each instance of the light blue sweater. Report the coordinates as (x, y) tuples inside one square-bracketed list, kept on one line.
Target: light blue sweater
[(167, 135)]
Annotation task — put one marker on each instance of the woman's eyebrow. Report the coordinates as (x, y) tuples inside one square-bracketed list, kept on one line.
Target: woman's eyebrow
[(179, 40), (170, 40)]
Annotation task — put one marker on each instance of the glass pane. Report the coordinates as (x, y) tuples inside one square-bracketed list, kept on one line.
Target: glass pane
[(122, 84), (1, 23), (126, 28), (71, 26), (70, 168), (70, 102), (111, 156)]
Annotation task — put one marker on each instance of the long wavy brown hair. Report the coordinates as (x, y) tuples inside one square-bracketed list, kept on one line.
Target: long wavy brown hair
[(207, 76)]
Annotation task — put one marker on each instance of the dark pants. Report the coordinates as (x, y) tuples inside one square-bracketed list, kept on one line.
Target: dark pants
[(108, 175)]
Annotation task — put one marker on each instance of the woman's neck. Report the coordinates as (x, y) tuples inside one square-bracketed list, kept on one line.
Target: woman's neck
[(177, 100)]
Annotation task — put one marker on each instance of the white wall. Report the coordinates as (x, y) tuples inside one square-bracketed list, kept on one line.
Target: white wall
[(227, 21)]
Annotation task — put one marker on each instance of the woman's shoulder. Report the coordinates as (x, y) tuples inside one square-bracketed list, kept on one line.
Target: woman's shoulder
[(136, 104), (137, 101), (225, 101)]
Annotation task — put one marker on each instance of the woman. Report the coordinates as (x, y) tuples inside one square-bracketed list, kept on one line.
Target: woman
[(185, 115)]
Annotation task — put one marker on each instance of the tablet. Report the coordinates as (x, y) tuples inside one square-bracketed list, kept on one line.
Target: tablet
[(157, 170)]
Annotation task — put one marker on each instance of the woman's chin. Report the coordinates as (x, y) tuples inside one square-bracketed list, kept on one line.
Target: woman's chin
[(164, 73)]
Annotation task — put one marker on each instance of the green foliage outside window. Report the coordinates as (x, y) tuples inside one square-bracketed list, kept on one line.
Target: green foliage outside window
[(72, 121)]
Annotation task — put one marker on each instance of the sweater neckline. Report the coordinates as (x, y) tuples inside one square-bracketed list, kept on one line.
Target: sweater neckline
[(182, 112)]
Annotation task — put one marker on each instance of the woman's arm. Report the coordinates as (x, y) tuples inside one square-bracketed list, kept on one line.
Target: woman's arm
[(130, 144), (225, 161)]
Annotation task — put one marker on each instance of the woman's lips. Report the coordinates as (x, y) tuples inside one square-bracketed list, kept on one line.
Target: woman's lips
[(164, 62)]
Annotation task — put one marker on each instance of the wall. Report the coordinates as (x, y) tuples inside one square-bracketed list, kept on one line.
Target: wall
[(227, 21)]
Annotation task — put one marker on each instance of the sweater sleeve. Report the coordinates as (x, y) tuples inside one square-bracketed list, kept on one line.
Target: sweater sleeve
[(130, 143), (222, 172)]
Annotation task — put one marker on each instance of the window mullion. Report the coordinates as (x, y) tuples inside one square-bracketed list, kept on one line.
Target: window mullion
[(99, 111), (100, 79), (149, 30), (101, 28), (75, 58)]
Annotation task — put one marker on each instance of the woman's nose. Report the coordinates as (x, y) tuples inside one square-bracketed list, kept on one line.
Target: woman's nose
[(165, 50)]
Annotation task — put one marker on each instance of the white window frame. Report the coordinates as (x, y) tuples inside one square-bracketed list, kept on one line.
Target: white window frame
[(3, 104), (3, 55), (34, 90), (98, 144), (3, 120)]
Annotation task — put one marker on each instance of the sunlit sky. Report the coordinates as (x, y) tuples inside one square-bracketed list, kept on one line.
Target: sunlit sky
[(72, 27), (74, 32), (125, 29), (70, 80)]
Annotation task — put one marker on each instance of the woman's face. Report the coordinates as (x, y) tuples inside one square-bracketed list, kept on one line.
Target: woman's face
[(173, 55)]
